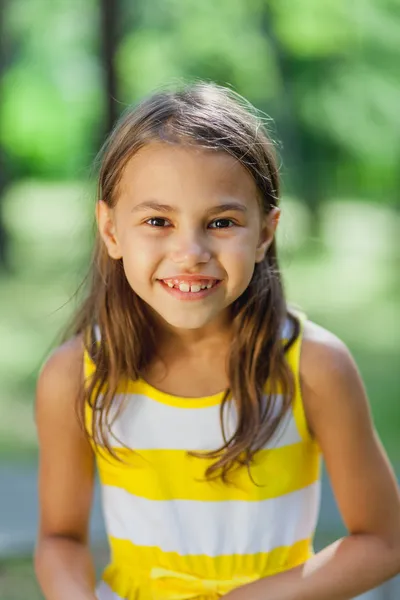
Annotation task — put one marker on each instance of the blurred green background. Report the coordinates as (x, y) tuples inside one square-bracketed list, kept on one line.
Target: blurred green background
[(327, 74)]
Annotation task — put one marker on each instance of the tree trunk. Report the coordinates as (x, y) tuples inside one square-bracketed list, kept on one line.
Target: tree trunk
[(109, 30)]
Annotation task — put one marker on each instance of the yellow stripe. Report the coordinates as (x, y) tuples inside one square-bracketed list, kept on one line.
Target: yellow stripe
[(293, 358), (132, 564), (145, 389), (300, 417), (172, 474)]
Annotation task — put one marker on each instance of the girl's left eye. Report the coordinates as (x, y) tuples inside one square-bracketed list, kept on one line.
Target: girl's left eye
[(221, 224)]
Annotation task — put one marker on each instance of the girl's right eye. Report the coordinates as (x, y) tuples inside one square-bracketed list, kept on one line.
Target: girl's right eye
[(157, 222)]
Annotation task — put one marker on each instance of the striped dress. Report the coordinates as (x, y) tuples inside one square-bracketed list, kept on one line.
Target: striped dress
[(175, 536)]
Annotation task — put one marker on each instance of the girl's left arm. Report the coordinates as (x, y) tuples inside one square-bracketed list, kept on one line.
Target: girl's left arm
[(364, 485)]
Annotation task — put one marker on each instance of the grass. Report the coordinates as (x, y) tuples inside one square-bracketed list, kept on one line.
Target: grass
[(18, 581)]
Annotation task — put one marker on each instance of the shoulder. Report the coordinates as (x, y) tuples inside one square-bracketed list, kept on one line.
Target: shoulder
[(60, 380), (64, 366), (330, 381), (323, 353)]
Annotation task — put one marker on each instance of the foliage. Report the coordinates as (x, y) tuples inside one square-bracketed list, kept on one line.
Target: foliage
[(327, 73), (51, 102)]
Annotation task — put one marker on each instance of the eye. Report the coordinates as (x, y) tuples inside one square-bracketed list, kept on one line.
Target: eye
[(221, 224), (157, 222)]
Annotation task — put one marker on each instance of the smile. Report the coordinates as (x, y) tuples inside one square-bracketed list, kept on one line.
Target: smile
[(190, 289)]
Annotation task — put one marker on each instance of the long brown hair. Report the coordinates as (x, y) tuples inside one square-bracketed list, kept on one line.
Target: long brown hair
[(216, 118)]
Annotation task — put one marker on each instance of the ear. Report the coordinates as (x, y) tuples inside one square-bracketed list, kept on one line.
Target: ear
[(267, 233), (107, 230)]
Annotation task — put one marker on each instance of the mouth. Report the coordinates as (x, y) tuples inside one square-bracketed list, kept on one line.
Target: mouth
[(193, 287)]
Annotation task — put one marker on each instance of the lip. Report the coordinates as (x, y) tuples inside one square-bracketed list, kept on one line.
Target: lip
[(176, 279), (176, 292)]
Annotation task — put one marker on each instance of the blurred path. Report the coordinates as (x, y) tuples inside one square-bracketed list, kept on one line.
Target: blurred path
[(19, 508)]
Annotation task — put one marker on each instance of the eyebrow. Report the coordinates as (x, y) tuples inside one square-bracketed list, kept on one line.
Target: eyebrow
[(166, 208)]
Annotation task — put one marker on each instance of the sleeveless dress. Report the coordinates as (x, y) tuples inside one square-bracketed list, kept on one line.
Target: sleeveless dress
[(174, 535)]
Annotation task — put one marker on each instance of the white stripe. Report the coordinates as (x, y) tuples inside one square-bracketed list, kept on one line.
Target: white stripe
[(287, 329), (212, 528), (97, 333), (104, 592), (147, 424)]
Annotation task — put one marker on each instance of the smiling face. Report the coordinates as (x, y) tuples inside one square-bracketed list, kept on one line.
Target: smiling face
[(189, 229)]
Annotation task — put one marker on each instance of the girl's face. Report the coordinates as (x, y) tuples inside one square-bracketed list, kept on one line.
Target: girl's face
[(189, 229)]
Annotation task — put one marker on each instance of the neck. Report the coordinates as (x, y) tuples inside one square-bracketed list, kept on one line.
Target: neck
[(211, 339)]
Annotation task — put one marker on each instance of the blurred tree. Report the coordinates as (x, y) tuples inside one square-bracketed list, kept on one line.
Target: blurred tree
[(341, 61), (51, 107), (327, 72), (308, 159), (176, 40)]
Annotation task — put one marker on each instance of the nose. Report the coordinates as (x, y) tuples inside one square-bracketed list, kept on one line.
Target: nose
[(189, 250)]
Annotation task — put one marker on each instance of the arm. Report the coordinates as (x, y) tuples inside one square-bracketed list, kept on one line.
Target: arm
[(362, 479), (62, 560)]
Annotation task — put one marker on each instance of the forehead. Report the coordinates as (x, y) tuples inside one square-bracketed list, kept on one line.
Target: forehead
[(161, 169)]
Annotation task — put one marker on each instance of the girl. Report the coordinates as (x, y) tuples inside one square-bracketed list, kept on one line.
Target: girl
[(206, 401)]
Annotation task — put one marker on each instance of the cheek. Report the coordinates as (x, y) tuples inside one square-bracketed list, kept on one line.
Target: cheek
[(141, 256), (239, 257), (242, 247)]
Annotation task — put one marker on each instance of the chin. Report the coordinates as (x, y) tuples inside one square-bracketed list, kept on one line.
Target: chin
[(185, 321), (186, 324)]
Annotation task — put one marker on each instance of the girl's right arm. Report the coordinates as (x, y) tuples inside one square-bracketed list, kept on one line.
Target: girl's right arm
[(66, 471)]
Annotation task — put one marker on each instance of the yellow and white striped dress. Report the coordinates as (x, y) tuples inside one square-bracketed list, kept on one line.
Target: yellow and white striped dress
[(173, 535)]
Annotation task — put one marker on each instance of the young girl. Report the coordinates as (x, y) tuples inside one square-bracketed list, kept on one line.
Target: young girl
[(206, 401)]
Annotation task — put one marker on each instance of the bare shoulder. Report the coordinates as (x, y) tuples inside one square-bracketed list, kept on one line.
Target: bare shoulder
[(64, 366), (60, 381), (330, 380), (322, 353)]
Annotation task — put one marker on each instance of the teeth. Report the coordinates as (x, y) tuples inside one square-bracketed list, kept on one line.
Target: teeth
[(187, 287)]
